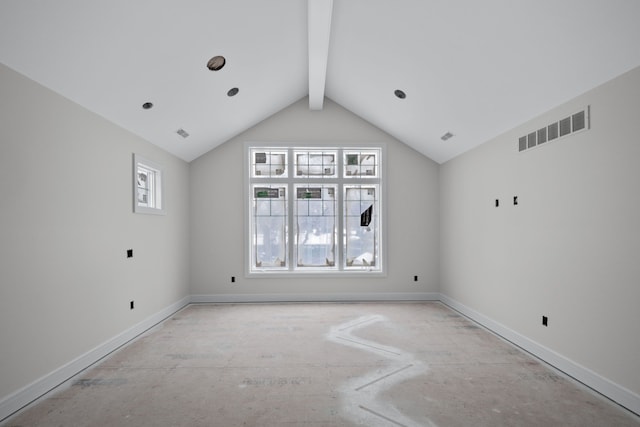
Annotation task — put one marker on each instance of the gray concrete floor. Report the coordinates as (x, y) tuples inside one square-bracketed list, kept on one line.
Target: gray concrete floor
[(391, 364)]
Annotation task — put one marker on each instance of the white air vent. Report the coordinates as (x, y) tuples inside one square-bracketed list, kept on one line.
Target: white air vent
[(576, 122)]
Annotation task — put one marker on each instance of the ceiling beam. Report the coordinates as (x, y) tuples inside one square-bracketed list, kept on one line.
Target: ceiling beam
[(319, 22)]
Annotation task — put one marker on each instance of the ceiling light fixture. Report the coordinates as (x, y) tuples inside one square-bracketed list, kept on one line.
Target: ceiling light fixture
[(400, 94), (446, 136), (147, 105), (233, 91), (216, 63)]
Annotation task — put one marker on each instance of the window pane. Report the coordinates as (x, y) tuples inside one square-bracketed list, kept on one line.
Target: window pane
[(267, 163), (146, 181), (143, 197), (361, 226), (315, 216), (269, 227), (315, 163), (361, 163)]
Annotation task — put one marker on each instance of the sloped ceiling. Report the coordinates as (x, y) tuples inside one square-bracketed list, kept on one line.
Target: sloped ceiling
[(472, 68)]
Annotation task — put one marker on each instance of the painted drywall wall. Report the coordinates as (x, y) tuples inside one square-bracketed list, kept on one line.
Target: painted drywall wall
[(217, 217), (66, 222), (570, 249)]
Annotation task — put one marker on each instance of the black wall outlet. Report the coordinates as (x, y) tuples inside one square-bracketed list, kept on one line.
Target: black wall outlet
[(515, 200), (545, 321), (233, 279), (131, 305), (415, 278), (129, 253), (497, 203)]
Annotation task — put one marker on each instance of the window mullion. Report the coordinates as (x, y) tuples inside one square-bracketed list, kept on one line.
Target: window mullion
[(340, 212), (291, 226)]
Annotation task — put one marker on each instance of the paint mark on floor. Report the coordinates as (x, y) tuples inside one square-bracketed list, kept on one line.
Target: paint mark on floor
[(381, 416), (361, 395), (383, 377), (370, 346)]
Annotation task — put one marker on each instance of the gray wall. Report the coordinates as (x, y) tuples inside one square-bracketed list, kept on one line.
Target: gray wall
[(571, 248), (66, 222), (217, 199)]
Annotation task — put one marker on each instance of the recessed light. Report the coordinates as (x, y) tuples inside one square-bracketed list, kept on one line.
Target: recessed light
[(400, 94), (216, 63), (147, 105), (233, 91)]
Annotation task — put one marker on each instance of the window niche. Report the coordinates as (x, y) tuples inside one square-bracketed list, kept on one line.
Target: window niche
[(148, 183)]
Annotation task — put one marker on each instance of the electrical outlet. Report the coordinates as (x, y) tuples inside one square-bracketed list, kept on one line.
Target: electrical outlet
[(497, 203), (129, 253), (515, 200), (233, 279), (545, 321), (131, 305), (415, 278)]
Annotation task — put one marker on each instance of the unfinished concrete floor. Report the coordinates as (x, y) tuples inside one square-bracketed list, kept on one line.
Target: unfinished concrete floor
[(391, 364)]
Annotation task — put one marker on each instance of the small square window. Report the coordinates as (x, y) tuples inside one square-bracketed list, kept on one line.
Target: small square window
[(147, 186)]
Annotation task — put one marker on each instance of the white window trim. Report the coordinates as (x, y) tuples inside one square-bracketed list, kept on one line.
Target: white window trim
[(289, 180), (159, 184)]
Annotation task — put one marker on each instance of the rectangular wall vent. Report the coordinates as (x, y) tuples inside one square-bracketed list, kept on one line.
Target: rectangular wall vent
[(566, 126)]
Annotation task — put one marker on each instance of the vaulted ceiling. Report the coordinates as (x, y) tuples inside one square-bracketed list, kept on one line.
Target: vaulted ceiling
[(471, 68)]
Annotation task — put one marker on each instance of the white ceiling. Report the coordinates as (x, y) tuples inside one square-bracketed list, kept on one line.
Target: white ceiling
[(473, 68)]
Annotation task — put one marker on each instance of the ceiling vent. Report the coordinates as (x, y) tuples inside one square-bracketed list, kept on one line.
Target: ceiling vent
[(576, 122), (446, 136)]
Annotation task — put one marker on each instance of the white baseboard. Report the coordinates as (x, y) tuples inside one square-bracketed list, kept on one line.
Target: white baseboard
[(613, 391), (319, 297), (38, 388)]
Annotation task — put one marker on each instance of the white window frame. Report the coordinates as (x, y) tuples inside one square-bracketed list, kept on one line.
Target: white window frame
[(155, 203), (290, 181)]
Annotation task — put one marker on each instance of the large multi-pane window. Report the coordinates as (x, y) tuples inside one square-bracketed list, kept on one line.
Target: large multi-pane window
[(314, 209)]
